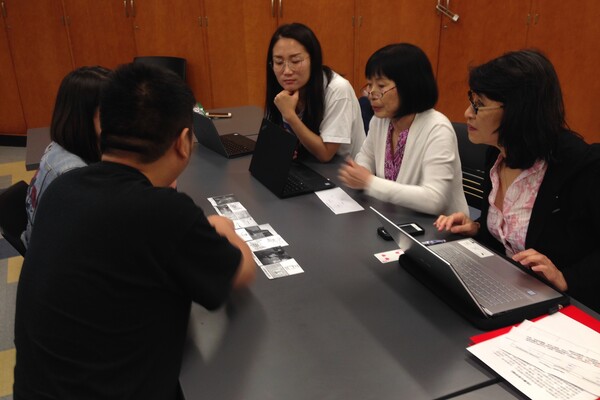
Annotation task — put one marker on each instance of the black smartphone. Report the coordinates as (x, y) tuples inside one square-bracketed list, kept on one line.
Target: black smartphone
[(412, 228)]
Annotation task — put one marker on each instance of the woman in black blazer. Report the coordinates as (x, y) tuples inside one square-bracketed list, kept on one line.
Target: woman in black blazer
[(541, 201)]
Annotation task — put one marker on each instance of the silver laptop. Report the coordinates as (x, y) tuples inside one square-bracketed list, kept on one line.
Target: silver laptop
[(468, 269)]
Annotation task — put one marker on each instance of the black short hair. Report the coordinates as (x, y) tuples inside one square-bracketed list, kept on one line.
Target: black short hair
[(143, 109), (526, 83), (408, 66), (315, 87), (77, 100)]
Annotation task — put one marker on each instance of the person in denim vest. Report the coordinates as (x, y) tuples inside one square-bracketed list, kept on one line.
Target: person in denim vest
[(74, 131)]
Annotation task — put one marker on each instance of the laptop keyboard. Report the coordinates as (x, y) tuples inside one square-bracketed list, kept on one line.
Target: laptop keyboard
[(293, 185), (486, 289), (233, 147)]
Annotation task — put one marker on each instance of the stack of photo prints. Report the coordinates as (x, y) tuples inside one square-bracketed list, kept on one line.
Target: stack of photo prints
[(265, 243)]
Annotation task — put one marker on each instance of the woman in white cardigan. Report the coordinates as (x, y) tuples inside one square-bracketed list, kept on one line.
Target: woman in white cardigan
[(410, 157)]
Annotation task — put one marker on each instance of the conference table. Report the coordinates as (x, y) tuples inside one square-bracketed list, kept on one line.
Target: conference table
[(349, 327)]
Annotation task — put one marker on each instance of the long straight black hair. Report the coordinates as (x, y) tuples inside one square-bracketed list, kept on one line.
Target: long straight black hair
[(77, 100), (314, 90)]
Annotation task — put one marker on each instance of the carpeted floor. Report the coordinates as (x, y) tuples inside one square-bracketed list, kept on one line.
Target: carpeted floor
[(12, 169)]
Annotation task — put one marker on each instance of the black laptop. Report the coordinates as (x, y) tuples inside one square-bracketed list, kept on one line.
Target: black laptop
[(229, 145), (492, 290), (274, 166)]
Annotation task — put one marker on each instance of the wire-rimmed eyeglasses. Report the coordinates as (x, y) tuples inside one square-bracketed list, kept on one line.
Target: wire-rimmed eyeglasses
[(293, 64), (477, 108), (375, 94)]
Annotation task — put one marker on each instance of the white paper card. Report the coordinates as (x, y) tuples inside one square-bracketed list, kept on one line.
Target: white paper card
[(338, 201)]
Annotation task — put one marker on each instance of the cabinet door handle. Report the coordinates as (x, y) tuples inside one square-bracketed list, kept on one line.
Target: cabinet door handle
[(273, 8), (125, 8), (280, 8), (132, 4), (4, 10), (446, 11)]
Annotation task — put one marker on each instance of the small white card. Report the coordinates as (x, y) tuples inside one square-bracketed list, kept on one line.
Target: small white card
[(338, 201), (389, 256), (475, 248)]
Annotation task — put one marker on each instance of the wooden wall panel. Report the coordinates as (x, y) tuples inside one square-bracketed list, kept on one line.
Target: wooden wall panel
[(41, 55), (485, 29), (569, 34), (12, 120)]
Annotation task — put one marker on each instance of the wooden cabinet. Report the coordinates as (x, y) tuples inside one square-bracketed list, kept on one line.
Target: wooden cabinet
[(485, 29), (332, 22), (100, 32), (382, 22), (237, 37), (12, 120), (174, 28), (225, 43), (568, 33), (40, 53)]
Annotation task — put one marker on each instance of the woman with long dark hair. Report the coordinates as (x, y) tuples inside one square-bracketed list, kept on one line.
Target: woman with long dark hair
[(541, 189), (308, 98)]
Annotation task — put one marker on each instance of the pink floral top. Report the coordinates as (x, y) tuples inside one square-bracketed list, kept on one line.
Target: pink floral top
[(394, 161), (509, 225)]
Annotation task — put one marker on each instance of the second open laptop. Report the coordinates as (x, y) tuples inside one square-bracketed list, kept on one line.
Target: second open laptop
[(274, 166), (487, 281), (229, 145)]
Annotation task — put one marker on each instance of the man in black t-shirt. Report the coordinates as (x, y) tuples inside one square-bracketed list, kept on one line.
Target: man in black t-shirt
[(117, 256)]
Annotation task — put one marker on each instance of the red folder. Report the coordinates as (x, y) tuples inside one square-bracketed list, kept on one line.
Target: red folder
[(570, 311)]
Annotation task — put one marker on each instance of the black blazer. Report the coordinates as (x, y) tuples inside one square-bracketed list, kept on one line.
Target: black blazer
[(565, 220)]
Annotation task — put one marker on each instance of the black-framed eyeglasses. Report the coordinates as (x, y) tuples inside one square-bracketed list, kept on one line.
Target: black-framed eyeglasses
[(477, 108), (375, 94), (294, 64)]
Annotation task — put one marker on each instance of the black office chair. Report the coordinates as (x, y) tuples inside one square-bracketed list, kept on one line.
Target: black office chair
[(13, 217), (472, 159), (175, 64), (366, 110)]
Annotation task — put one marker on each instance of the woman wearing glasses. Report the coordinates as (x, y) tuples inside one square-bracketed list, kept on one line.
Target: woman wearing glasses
[(541, 193), (308, 98), (410, 157)]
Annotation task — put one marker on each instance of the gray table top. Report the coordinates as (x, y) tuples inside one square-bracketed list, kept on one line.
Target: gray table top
[(348, 327), (37, 141)]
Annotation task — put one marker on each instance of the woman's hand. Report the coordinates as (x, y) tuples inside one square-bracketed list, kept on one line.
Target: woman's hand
[(354, 176), (457, 223), (287, 102), (541, 264)]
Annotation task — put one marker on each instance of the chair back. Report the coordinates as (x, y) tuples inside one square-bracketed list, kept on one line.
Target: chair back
[(175, 64), (13, 217), (472, 159), (366, 111)]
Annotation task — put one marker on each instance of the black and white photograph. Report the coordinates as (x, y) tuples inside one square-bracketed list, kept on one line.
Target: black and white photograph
[(272, 256)]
